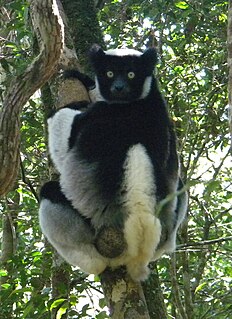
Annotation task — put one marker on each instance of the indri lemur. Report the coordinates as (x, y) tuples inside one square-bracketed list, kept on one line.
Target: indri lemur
[(117, 162)]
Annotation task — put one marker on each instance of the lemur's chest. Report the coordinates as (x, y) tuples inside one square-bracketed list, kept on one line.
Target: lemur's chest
[(111, 135)]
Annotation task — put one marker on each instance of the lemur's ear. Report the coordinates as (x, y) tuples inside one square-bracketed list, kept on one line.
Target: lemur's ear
[(150, 59), (95, 55)]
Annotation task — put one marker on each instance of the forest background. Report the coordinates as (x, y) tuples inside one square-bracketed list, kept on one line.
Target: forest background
[(193, 74)]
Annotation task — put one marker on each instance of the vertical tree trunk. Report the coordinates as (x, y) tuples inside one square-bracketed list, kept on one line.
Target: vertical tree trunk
[(84, 28), (8, 248), (7, 254), (124, 297), (154, 295), (8, 240)]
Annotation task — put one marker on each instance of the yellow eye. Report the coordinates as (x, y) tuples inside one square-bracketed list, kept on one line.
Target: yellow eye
[(110, 74), (131, 75)]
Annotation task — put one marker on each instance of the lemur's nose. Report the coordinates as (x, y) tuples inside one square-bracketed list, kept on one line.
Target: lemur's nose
[(118, 85)]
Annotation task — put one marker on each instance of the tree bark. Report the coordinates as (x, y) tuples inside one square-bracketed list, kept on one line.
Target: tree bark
[(82, 17), (177, 300), (8, 240), (7, 254), (8, 246), (154, 295), (124, 297)]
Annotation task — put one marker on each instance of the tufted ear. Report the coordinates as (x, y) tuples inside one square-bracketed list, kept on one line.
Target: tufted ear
[(96, 54), (149, 58)]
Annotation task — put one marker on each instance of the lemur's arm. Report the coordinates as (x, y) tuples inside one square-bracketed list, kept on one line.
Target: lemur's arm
[(69, 232), (85, 79)]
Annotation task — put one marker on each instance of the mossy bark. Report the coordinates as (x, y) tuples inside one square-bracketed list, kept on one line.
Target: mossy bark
[(84, 28)]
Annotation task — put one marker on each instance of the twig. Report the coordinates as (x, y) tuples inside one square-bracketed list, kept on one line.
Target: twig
[(205, 242), (27, 181)]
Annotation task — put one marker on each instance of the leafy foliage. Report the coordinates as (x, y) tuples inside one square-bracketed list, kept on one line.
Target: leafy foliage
[(15, 40), (191, 39)]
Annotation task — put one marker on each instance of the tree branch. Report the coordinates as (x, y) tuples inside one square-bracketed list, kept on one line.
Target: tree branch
[(176, 290), (204, 243), (46, 21), (27, 181)]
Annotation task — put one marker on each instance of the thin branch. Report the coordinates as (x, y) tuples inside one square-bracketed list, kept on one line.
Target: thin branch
[(176, 290), (205, 242), (27, 181)]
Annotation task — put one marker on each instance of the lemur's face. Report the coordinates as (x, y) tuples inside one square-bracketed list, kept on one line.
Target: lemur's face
[(123, 75)]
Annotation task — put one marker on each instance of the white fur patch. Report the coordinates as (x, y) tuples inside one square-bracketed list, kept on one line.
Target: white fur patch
[(146, 87), (59, 130), (94, 95), (98, 96), (123, 52), (81, 254), (142, 229), (85, 256)]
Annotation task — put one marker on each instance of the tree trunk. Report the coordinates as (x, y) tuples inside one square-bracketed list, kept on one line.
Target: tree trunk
[(154, 295), (84, 28), (124, 297), (8, 246), (7, 254)]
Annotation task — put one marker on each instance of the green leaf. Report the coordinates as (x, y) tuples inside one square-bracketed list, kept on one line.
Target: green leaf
[(213, 185), (3, 273), (200, 287), (61, 312), (182, 5), (5, 65), (36, 253), (6, 286), (102, 315), (102, 302), (57, 302)]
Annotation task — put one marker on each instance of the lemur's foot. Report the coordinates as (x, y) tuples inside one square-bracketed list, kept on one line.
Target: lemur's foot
[(110, 242)]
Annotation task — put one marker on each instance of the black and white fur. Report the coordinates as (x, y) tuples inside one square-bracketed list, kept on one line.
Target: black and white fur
[(117, 162), (66, 230)]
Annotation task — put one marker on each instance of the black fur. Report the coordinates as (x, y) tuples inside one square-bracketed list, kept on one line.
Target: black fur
[(106, 131), (130, 111), (52, 191), (142, 66)]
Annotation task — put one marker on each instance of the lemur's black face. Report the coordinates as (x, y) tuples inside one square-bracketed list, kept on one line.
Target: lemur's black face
[(123, 75)]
